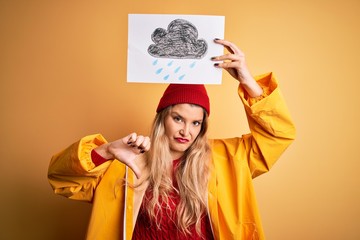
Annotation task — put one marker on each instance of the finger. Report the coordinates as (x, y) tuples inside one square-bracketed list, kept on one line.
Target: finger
[(145, 145), (139, 140), (231, 47), (131, 138), (231, 57), (223, 42), (137, 143), (227, 65)]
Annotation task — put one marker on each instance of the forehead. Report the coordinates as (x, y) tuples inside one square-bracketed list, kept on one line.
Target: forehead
[(186, 110)]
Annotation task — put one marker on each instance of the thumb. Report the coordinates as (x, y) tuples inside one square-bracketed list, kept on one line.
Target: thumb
[(132, 165)]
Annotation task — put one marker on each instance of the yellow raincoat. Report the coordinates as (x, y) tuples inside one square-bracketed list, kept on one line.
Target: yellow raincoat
[(232, 205)]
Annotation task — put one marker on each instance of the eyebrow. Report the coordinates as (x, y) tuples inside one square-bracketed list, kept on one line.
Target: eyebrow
[(178, 114)]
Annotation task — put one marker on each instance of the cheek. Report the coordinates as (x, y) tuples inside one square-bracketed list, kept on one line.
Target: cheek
[(170, 128), (195, 132)]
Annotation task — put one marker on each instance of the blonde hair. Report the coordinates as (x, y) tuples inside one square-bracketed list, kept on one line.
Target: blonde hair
[(191, 176)]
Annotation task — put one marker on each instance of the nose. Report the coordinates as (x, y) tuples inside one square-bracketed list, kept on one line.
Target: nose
[(185, 130)]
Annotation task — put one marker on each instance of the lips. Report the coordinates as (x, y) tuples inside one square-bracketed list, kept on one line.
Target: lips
[(182, 140)]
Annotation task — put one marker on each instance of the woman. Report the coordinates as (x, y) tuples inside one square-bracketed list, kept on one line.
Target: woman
[(181, 185)]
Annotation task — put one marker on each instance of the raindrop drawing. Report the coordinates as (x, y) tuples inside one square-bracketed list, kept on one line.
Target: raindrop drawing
[(159, 71), (171, 70)]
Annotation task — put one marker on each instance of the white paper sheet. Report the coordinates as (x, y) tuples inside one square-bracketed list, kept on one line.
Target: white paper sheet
[(174, 48)]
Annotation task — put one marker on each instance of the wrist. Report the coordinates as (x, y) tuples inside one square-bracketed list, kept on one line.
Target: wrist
[(245, 76), (103, 151), (252, 88)]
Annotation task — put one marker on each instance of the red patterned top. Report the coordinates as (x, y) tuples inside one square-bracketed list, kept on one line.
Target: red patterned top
[(145, 229)]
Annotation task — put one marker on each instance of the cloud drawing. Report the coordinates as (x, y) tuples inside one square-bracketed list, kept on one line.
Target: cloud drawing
[(178, 41)]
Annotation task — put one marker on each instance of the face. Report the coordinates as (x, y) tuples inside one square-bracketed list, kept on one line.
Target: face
[(182, 126)]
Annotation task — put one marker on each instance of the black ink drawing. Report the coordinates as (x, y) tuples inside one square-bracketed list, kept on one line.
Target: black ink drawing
[(178, 41)]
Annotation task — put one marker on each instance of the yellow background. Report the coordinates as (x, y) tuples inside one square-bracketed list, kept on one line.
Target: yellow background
[(63, 76)]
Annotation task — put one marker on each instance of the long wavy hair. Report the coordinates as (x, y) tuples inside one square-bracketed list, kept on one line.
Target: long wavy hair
[(191, 175)]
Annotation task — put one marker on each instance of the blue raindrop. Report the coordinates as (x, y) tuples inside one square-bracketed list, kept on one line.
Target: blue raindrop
[(159, 70), (170, 63), (177, 69), (192, 65), (166, 77), (182, 77), (155, 62)]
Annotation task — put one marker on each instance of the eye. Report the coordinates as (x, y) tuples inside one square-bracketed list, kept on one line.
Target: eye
[(177, 119), (197, 123)]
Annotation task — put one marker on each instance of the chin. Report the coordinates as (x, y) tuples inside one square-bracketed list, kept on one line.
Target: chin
[(179, 149)]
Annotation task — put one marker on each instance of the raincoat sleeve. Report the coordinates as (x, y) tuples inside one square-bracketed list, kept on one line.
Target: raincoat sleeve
[(72, 173), (270, 123)]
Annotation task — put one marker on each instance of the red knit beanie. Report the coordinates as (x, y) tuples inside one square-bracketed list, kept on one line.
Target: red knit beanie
[(185, 93)]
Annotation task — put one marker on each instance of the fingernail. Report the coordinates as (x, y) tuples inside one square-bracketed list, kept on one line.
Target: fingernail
[(217, 39), (129, 142), (216, 64), (213, 58), (142, 151), (133, 145)]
